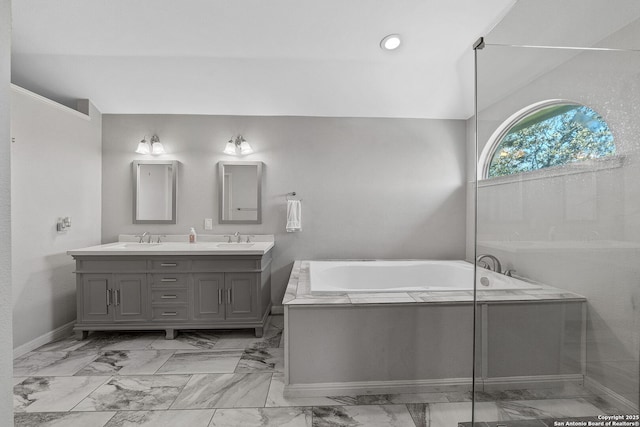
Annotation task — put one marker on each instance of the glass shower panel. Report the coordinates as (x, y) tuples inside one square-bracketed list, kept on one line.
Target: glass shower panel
[(559, 340)]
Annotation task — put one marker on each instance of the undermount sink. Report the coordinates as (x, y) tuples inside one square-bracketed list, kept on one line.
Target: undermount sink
[(234, 245), (140, 245)]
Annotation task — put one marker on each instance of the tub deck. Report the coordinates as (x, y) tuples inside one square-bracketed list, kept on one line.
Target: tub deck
[(298, 292)]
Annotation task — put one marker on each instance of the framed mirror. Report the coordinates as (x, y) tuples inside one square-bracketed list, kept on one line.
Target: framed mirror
[(154, 191), (240, 192)]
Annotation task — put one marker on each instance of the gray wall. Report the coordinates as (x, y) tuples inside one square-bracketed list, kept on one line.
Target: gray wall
[(6, 355), (586, 227), (371, 188), (64, 145)]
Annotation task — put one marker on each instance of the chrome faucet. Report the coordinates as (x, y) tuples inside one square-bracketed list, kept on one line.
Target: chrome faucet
[(142, 236), (495, 266), (237, 236)]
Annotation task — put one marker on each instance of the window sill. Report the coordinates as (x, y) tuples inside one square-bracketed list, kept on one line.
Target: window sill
[(556, 171)]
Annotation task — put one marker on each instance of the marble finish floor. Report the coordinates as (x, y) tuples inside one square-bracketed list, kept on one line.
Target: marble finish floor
[(231, 378)]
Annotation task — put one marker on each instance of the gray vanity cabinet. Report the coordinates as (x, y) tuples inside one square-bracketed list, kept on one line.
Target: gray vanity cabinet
[(209, 296), (242, 298), (142, 292), (113, 297)]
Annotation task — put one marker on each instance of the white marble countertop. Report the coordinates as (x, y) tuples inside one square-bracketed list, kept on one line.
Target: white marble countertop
[(179, 245), (298, 292)]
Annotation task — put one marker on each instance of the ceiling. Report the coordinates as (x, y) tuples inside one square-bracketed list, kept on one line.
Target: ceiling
[(253, 57)]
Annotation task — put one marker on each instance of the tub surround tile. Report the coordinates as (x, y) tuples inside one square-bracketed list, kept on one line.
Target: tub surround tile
[(187, 340), (313, 300), (135, 393), (62, 419), (192, 418), (370, 416), (259, 417), (53, 394), (126, 362), (199, 362), (387, 300), (261, 360), (52, 363), (224, 391)]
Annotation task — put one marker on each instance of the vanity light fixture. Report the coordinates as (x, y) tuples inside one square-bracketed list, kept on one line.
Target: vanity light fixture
[(239, 147), (390, 42), (155, 147)]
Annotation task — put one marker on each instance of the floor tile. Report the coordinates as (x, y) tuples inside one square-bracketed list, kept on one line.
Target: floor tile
[(271, 339), (259, 417), (53, 394), (370, 416), (201, 362), (62, 419), (277, 320), (187, 340), (52, 363), (135, 393), (275, 397), (400, 398), (70, 343), (549, 408), (127, 362), (261, 360), (450, 414), (192, 418), (238, 340), (121, 340), (224, 391)]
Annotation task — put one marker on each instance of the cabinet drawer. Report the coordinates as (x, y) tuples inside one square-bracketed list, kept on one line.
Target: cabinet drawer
[(226, 265), (170, 264), (168, 279), (169, 296), (105, 266), (169, 314)]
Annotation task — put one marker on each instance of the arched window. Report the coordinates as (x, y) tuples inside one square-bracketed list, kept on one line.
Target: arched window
[(546, 134)]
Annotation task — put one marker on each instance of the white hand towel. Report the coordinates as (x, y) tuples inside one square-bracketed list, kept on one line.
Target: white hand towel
[(294, 216)]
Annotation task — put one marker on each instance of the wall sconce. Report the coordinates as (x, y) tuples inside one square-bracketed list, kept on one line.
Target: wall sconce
[(155, 147), (239, 147)]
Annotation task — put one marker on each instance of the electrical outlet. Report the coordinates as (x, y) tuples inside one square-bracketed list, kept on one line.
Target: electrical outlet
[(208, 223)]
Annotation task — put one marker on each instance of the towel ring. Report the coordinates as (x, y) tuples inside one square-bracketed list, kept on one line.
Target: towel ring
[(292, 195)]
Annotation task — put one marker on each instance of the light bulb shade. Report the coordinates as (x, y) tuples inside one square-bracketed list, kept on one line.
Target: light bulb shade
[(157, 148), (245, 148), (230, 148), (143, 147)]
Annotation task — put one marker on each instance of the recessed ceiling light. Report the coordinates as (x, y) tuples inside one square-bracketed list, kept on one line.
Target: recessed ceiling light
[(391, 42)]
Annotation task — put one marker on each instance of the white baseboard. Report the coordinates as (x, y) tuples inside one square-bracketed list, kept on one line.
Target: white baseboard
[(376, 387), (529, 381), (277, 309), (611, 396), (57, 333)]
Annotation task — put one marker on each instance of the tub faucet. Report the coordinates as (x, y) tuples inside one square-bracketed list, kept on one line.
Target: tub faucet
[(495, 266)]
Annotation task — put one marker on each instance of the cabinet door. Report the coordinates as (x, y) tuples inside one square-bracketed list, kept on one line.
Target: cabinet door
[(130, 297), (208, 296), (241, 295), (96, 297)]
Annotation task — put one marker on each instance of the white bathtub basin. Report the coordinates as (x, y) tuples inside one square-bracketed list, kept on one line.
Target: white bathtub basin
[(330, 277)]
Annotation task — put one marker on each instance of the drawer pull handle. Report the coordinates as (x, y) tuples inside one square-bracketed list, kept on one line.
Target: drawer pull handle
[(168, 264), (170, 313), (108, 297), (169, 296), (117, 297), (219, 296), (229, 299), (171, 279)]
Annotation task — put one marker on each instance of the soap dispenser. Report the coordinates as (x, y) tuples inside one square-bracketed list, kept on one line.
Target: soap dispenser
[(192, 235)]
